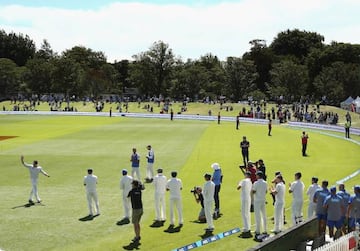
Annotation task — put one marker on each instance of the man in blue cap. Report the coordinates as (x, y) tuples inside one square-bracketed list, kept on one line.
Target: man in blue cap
[(335, 206)]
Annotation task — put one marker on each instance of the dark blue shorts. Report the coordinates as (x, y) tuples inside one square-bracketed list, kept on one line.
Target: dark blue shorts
[(338, 224), (322, 216)]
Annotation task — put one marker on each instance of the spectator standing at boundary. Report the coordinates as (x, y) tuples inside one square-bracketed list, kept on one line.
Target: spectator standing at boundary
[(126, 186), (174, 185), (334, 206), (345, 197), (34, 170), (310, 193), (160, 189), (347, 129), (90, 183), (297, 189), (269, 127), (244, 145), (171, 114), (208, 194), (218, 118), (137, 207), (259, 190), (279, 192), (150, 164), (245, 185), (353, 211), (135, 164), (237, 122), (304, 141), (319, 198), (217, 179)]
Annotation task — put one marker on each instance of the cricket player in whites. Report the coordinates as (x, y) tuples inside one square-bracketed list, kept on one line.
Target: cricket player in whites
[(150, 163), (34, 170), (297, 189), (208, 193), (90, 182), (126, 186), (245, 185)]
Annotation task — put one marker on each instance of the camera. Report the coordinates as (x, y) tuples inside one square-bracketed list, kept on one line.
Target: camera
[(196, 190)]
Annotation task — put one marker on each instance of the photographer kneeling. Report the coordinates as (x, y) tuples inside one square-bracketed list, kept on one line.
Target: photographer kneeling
[(197, 191)]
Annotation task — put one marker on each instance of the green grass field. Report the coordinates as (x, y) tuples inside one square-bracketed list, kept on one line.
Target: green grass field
[(67, 146)]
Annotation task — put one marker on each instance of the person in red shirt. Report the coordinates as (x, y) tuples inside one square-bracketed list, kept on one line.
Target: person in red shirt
[(304, 140)]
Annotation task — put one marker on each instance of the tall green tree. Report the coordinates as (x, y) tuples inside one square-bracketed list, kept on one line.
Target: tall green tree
[(263, 58), (158, 62), (16, 47), (241, 76), (38, 77), (188, 80), (297, 43), (337, 81), (67, 77), (289, 80), (215, 74), (10, 77), (93, 79)]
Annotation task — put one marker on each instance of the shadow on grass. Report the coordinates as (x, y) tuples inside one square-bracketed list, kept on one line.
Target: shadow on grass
[(88, 217), (171, 229), (157, 224), (123, 222), (27, 205), (207, 234), (132, 246)]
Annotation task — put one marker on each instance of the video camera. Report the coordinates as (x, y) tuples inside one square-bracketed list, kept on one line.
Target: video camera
[(196, 190)]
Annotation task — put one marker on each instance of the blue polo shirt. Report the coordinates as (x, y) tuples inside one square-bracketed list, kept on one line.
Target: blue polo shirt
[(217, 177), (320, 196), (334, 205)]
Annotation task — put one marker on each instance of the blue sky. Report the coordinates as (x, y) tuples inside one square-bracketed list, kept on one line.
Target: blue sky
[(95, 4), (122, 29)]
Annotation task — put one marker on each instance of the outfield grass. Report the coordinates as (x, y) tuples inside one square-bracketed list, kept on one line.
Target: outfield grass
[(67, 146), (192, 108)]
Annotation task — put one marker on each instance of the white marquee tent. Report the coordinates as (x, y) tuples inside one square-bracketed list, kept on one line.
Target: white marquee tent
[(356, 103), (346, 104)]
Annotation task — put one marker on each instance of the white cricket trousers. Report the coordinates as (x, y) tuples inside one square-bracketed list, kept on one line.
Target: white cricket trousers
[(296, 211), (260, 216), (246, 215), (127, 206), (92, 198), (34, 191), (176, 202), (160, 206), (208, 205), (150, 170), (136, 170), (311, 209), (278, 216)]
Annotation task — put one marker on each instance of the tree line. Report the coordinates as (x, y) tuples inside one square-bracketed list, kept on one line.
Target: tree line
[(296, 65)]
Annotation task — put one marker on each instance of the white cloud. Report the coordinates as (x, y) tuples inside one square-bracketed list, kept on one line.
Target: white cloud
[(124, 29)]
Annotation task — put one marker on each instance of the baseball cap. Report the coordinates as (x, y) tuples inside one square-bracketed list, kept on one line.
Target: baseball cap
[(333, 189), (215, 166), (124, 171), (160, 170)]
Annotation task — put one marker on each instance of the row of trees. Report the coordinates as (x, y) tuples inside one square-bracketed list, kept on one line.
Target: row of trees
[(296, 64)]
